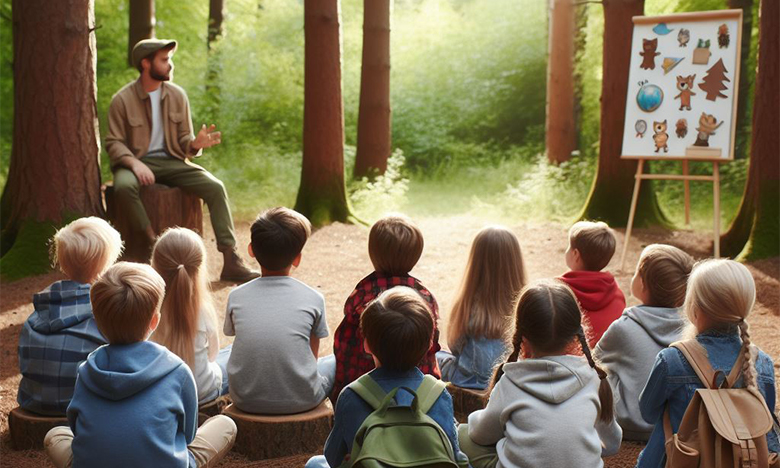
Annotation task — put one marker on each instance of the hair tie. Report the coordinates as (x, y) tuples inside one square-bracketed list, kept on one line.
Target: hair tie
[(181, 266), (601, 373)]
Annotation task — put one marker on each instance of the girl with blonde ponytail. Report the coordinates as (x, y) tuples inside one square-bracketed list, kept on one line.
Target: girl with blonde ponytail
[(188, 324), (546, 407), (719, 298)]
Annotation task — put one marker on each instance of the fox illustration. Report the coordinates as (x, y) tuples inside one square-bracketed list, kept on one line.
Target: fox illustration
[(685, 85)]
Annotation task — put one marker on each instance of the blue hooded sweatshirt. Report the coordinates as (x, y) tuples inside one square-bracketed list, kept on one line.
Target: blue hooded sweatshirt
[(134, 405), (55, 339)]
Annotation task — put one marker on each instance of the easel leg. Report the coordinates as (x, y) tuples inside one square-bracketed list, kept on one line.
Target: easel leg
[(687, 185), (632, 212), (716, 207)]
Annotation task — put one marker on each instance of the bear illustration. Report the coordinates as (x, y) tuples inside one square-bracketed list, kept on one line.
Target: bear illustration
[(683, 37), (681, 128), (707, 126), (649, 54), (661, 137), (685, 85)]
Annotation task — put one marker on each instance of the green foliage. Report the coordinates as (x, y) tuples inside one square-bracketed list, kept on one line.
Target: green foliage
[(386, 193)]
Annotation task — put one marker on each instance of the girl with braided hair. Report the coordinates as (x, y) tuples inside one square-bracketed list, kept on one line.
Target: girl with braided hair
[(548, 408), (719, 298)]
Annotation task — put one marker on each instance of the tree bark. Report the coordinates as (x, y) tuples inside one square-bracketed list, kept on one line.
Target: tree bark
[(374, 115), (561, 131), (755, 232), (141, 24), (54, 171), (610, 196), (322, 194), (216, 16), (745, 75)]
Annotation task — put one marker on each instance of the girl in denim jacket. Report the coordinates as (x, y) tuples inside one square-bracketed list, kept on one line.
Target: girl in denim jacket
[(720, 295)]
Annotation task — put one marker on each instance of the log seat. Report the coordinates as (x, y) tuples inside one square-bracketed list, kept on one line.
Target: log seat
[(466, 400), (28, 429)]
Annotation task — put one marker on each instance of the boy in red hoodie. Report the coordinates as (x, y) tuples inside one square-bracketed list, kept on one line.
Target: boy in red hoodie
[(591, 247)]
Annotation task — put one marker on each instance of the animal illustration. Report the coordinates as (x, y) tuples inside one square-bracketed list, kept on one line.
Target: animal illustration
[(681, 128), (661, 137), (649, 54), (685, 86), (683, 37), (707, 126), (723, 36)]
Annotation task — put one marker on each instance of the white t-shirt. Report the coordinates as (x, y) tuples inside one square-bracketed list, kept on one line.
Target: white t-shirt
[(207, 373), (157, 139)]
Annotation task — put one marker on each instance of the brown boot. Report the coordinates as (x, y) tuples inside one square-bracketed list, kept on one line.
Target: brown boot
[(234, 268)]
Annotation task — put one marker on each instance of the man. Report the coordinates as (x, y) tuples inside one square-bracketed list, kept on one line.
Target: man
[(150, 139)]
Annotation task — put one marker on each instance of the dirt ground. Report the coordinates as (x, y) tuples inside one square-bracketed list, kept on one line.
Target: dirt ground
[(336, 258)]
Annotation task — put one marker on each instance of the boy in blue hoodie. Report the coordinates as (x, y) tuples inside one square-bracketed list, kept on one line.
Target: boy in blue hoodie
[(135, 403), (61, 331)]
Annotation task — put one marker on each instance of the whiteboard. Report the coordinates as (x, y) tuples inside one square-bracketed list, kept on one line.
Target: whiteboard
[(673, 57)]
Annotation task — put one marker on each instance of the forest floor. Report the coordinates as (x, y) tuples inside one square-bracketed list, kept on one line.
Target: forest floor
[(336, 258)]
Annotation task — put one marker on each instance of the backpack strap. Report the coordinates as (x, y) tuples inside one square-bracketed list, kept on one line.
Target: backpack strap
[(428, 392), (370, 391), (696, 356), (736, 370)]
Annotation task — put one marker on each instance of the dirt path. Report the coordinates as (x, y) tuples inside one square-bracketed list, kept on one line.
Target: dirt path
[(336, 258)]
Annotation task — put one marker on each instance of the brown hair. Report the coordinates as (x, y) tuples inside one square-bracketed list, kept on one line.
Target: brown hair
[(179, 256), (278, 236), (398, 327), (549, 318), (125, 299), (85, 248), (395, 244), (494, 277), (664, 271), (595, 242)]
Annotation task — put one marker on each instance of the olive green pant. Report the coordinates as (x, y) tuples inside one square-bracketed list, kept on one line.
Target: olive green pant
[(191, 178), (480, 456)]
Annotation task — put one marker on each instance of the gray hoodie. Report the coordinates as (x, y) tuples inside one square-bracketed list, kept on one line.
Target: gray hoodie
[(627, 352), (544, 412)]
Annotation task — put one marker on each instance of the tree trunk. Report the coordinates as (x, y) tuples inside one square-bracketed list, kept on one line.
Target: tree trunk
[(141, 24), (374, 116), (745, 75), (755, 232), (610, 196), (561, 131), (322, 195), (216, 15), (54, 174)]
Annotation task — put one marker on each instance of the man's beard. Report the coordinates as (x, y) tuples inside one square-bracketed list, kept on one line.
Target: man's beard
[(159, 76)]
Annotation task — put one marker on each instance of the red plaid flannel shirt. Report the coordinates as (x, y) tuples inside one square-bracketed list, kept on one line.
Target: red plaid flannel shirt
[(351, 360)]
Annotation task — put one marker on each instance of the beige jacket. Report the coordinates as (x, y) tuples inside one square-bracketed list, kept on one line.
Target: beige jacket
[(130, 123)]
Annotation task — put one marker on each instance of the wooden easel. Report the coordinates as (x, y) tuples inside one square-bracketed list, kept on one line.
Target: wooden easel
[(686, 178)]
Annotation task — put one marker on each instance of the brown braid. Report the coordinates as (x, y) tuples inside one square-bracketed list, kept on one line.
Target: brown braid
[(605, 391), (748, 373), (499, 370)]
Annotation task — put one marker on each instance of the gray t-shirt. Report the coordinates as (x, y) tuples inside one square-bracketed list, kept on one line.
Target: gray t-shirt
[(271, 368)]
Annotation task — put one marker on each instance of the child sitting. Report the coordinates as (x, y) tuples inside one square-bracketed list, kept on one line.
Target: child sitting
[(483, 309), (591, 247), (135, 402), (188, 325), (397, 328), (720, 296), (629, 346), (550, 408), (61, 331), (278, 322), (395, 244)]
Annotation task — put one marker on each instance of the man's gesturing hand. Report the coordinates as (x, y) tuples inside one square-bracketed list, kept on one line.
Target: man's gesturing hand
[(207, 137)]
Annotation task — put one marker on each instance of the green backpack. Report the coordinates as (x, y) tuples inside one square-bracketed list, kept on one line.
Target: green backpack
[(400, 436)]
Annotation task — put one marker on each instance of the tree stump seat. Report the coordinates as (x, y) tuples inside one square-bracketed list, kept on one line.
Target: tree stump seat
[(262, 436), (467, 400), (28, 429), (165, 206), (212, 408)]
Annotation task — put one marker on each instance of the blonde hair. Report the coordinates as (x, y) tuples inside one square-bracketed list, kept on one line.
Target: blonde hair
[(179, 256), (85, 248), (395, 244), (124, 301), (724, 291), (664, 271), (494, 277), (595, 242)]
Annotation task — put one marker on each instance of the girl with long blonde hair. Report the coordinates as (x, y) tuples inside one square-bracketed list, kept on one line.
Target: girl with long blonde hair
[(188, 325), (481, 315)]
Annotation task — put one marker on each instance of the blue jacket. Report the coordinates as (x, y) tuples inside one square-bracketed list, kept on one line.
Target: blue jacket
[(673, 380), (55, 339), (472, 364), (134, 405), (351, 411)]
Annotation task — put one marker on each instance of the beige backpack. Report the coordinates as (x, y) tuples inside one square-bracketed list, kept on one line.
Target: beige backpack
[(722, 426)]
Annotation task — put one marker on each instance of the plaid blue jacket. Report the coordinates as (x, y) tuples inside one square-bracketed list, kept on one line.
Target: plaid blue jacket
[(55, 339)]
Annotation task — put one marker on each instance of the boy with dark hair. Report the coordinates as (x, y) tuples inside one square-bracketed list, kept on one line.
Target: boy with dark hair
[(278, 322), (395, 244)]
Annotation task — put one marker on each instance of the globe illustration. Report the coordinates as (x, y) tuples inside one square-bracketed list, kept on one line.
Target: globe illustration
[(649, 97)]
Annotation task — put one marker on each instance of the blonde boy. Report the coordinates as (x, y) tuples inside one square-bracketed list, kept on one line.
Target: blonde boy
[(135, 403)]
